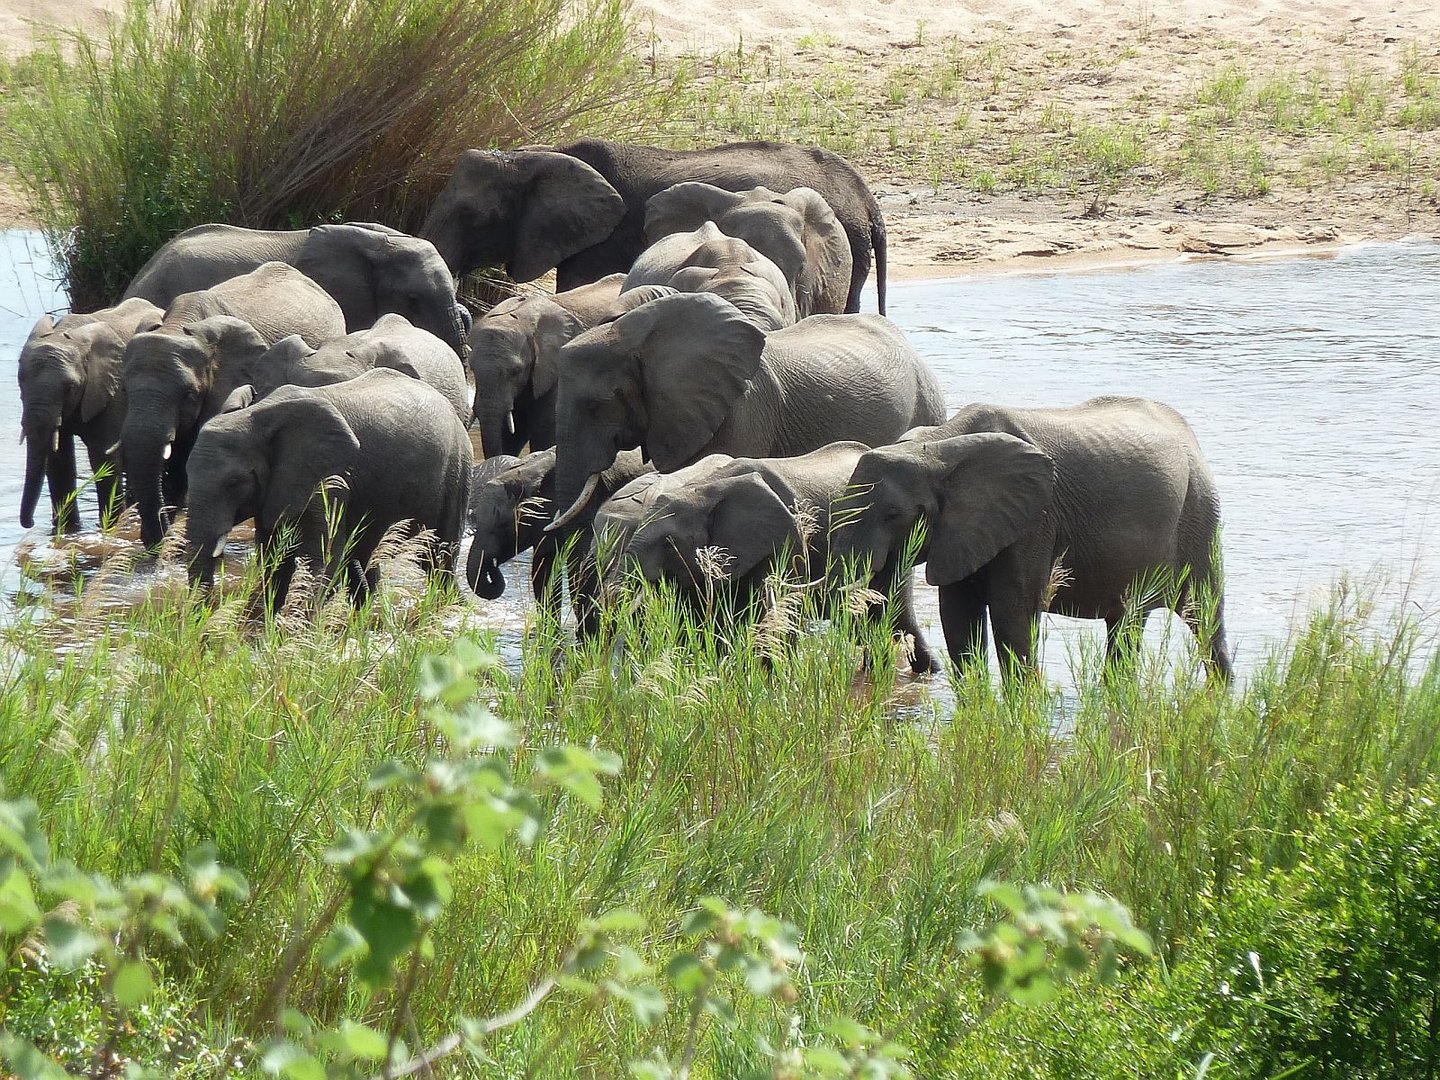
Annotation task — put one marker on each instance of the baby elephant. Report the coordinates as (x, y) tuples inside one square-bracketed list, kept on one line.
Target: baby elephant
[(511, 501), (1105, 510), (395, 444)]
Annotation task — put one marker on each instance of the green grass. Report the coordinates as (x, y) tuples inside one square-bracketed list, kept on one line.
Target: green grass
[(794, 788), (280, 113)]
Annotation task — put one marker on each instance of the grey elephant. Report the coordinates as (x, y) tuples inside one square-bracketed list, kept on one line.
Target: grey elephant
[(369, 269), (177, 376), (391, 343), (722, 534), (400, 455), (797, 231), (1089, 511), (511, 500), (69, 389), (706, 260), (514, 354), (580, 208), (689, 375)]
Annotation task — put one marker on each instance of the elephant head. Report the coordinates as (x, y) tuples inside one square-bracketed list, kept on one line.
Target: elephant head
[(371, 273), (526, 210), (663, 377), (509, 505), (175, 379), (264, 461), (975, 494), (722, 532), (797, 231), (515, 356), (706, 260)]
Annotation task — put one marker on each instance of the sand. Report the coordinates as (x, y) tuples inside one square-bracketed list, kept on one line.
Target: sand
[(1106, 61)]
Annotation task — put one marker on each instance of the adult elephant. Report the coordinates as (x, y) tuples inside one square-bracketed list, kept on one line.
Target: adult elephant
[(580, 208), (514, 354), (369, 269), (706, 260), (797, 231), (69, 389), (688, 375), (177, 376), (725, 533), (391, 343), (511, 500), (401, 457), (1105, 510)]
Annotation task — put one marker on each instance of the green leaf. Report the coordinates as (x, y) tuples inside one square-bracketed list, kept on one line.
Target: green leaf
[(1002, 893), (645, 1001), (618, 921), (68, 945), (28, 1062), (21, 834), (686, 973), (133, 984), (389, 931), (18, 910), (361, 1042), (393, 773), (290, 1061), (471, 725)]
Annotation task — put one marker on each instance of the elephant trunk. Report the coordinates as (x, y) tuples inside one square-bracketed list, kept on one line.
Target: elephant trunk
[(145, 463), (483, 573), (41, 439), (460, 325)]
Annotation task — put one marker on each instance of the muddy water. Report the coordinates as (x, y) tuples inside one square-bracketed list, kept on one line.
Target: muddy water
[(1313, 385)]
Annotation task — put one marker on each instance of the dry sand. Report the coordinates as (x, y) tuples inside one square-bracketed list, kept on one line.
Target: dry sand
[(1106, 60)]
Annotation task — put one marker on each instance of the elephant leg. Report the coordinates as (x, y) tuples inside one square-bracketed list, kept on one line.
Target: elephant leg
[(1123, 632), (962, 616), (107, 488), (60, 472), (1215, 651), (585, 594), (1015, 597), (545, 581), (922, 660)]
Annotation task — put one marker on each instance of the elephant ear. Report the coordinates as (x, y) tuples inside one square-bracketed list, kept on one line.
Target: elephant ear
[(308, 441), (993, 488), (751, 523), (104, 361), (827, 250), (696, 354), (754, 295), (553, 326), (685, 207), (242, 397), (566, 207), (44, 325), (342, 260)]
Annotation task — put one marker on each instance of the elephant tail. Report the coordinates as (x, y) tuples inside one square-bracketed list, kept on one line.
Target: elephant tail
[(878, 242)]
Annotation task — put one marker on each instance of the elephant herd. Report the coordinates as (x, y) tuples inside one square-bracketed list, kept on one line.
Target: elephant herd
[(699, 402)]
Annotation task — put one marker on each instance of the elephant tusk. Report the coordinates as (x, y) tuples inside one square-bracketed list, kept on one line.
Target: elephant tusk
[(113, 449), (165, 454), (22, 436), (510, 422), (219, 548), (55, 442), (578, 505)]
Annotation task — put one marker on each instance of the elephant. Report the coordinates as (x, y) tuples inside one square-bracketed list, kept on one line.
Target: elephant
[(69, 387), (689, 375), (513, 354), (369, 269), (1104, 503), (176, 376), (580, 208), (511, 499), (400, 454), (706, 260), (797, 231), (734, 523), (391, 343)]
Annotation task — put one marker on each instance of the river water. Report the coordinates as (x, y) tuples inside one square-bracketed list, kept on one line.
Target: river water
[(1312, 383)]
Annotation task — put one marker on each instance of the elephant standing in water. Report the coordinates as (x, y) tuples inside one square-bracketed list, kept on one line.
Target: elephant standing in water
[(69, 388), (1105, 510), (395, 444), (707, 260), (580, 209), (689, 375), (725, 532), (515, 356), (370, 270), (797, 231), (177, 376)]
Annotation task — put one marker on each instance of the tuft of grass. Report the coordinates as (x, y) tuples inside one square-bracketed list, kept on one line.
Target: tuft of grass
[(285, 113)]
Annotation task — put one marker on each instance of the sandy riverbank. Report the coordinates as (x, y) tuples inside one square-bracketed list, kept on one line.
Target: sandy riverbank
[(1016, 135)]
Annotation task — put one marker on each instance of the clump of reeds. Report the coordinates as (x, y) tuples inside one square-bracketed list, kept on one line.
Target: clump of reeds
[(285, 113)]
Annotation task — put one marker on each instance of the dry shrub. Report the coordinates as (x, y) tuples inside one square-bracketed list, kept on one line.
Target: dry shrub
[(285, 113)]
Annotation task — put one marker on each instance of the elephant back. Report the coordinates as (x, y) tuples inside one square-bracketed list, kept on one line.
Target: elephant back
[(275, 298)]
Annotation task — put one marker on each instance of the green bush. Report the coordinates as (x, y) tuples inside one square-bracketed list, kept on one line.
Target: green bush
[(283, 113)]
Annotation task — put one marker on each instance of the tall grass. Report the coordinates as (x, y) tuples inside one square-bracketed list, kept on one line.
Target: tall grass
[(788, 783), (283, 113)]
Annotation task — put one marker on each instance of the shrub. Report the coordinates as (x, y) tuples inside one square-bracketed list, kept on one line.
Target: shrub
[(284, 113)]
